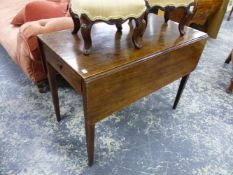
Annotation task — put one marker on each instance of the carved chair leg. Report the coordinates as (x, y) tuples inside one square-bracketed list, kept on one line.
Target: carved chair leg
[(167, 11), (182, 24), (76, 21), (119, 27), (185, 20), (230, 88), (138, 32), (86, 26), (146, 18), (166, 16), (229, 17), (154, 10)]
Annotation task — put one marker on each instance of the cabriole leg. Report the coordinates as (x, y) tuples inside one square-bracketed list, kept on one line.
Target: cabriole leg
[(86, 26), (188, 13), (138, 32)]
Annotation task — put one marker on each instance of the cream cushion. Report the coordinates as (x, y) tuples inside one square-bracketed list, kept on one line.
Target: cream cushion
[(108, 9), (164, 3)]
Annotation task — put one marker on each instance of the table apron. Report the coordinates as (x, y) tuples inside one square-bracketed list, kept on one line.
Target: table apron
[(62, 68)]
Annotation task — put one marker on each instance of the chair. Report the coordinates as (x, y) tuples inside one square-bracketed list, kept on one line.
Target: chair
[(208, 15), (187, 6), (87, 12)]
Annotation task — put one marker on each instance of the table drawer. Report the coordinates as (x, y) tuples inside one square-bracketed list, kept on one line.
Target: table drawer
[(62, 68)]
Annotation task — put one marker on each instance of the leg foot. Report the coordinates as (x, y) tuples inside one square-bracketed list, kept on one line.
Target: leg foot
[(181, 29), (188, 13), (90, 139), (180, 90), (138, 32), (182, 23), (86, 33)]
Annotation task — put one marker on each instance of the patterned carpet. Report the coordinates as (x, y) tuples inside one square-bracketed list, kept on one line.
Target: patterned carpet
[(146, 138)]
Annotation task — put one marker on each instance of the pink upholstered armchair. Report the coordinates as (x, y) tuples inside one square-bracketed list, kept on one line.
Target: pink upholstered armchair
[(20, 41)]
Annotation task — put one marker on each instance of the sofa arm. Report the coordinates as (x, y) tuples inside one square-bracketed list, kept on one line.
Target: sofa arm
[(29, 31), (35, 28)]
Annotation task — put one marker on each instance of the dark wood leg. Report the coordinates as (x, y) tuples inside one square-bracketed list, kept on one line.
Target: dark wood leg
[(86, 26), (167, 11), (154, 10), (42, 87), (146, 18), (186, 18), (138, 32), (180, 90), (119, 27), (229, 17), (76, 21), (183, 22), (228, 60), (53, 87), (90, 139), (42, 56), (131, 26)]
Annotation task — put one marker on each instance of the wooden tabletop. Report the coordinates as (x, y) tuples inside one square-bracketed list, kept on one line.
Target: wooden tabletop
[(112, 50), (116, 74)]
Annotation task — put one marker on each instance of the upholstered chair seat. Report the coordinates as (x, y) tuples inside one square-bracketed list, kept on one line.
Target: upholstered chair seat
[(108, 9), (175, 3)]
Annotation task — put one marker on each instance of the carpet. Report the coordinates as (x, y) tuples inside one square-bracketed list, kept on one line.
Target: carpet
[(146, 138)]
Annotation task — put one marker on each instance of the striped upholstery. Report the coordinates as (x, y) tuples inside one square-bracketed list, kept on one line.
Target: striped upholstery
[(163, 3), (108, 9)]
